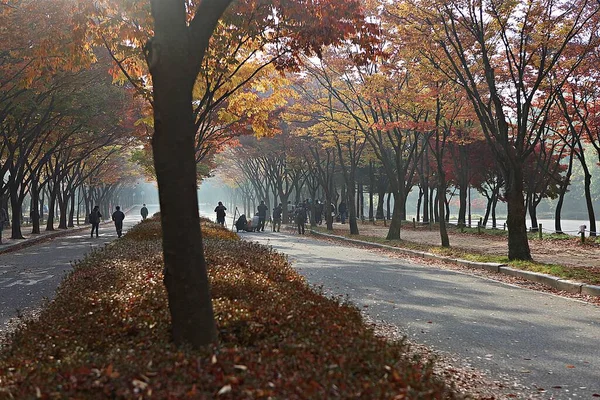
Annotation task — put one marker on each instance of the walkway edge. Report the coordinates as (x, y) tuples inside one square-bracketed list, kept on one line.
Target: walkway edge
[(31, 241), (545, 279)]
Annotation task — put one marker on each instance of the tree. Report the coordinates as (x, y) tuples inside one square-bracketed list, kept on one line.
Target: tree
[(503, 54), (175, 56)]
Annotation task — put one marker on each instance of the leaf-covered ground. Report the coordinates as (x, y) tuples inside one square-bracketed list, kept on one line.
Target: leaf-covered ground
[(106, 335)]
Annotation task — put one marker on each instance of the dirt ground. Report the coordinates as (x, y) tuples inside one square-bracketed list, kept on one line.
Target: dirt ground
[(551, 251)]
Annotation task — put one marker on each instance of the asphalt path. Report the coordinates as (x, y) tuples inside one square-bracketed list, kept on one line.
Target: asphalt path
[(30, 275), (547, 345)]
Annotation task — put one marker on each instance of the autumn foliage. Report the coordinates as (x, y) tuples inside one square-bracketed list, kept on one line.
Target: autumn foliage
[(107, 334)]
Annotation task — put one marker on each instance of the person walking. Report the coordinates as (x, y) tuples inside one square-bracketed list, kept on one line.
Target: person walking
[(319, 212), (3, 221), (94, 218), (118, 217), (300, 216), (277, 211), (342, 210), (220, 210), (144, 212), (262, 216)]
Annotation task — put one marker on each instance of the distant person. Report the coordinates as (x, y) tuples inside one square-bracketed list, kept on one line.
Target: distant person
[(144, 212), (3, 221), (94, 218), (262, 216), (342, 210), (277, 211), (254, 224), (300, 217), (319, 212), (290, 211), (220, 210), (118, 217)]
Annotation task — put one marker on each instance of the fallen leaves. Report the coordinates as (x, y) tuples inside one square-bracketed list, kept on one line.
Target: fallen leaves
[(279, 338)]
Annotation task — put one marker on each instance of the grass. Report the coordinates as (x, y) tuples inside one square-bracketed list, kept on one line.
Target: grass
[(106, 334)]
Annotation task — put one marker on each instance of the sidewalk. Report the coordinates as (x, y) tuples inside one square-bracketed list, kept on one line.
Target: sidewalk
[(9, 244)]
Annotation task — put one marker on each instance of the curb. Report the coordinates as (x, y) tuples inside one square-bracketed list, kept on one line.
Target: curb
[(545, 279)]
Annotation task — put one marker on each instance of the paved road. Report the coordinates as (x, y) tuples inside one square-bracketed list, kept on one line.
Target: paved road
[(541, 340), (32, 274)]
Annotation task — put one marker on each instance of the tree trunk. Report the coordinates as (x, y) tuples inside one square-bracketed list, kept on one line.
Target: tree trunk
[(35, 207), (71, 223), (462, 205), (532, 207), (63, 202), (518, 243), (396, 223), (170, 59), (561, 196), (419, 204), (351, 207), (371, 191), (15, 206), (51, 204), (441, 199), (589, 201), (494, 205), (389, 205)]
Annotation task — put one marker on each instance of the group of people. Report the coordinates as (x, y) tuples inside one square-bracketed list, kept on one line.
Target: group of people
[(299, 215), (118, 216)]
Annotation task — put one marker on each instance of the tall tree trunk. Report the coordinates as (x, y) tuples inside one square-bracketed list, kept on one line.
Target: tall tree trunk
[(419, 200), (589, 201), (532, 208), (170, 55), (561, 196), (63, 202), (494, 205), (352, 216), (488, 209), (71, 223), (518, 243), (462, 205), (35, 207), (396, 223), (15, 206), (441, 200), (389, 206), (436, 213), (371, 190), (51, 205)]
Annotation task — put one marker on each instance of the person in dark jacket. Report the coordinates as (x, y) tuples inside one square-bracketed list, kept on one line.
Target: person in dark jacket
[(262, 216), (300, 217), (118, 217), (144, 212), (242, 223), (220, 210), (94, 218), (342, 210)]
